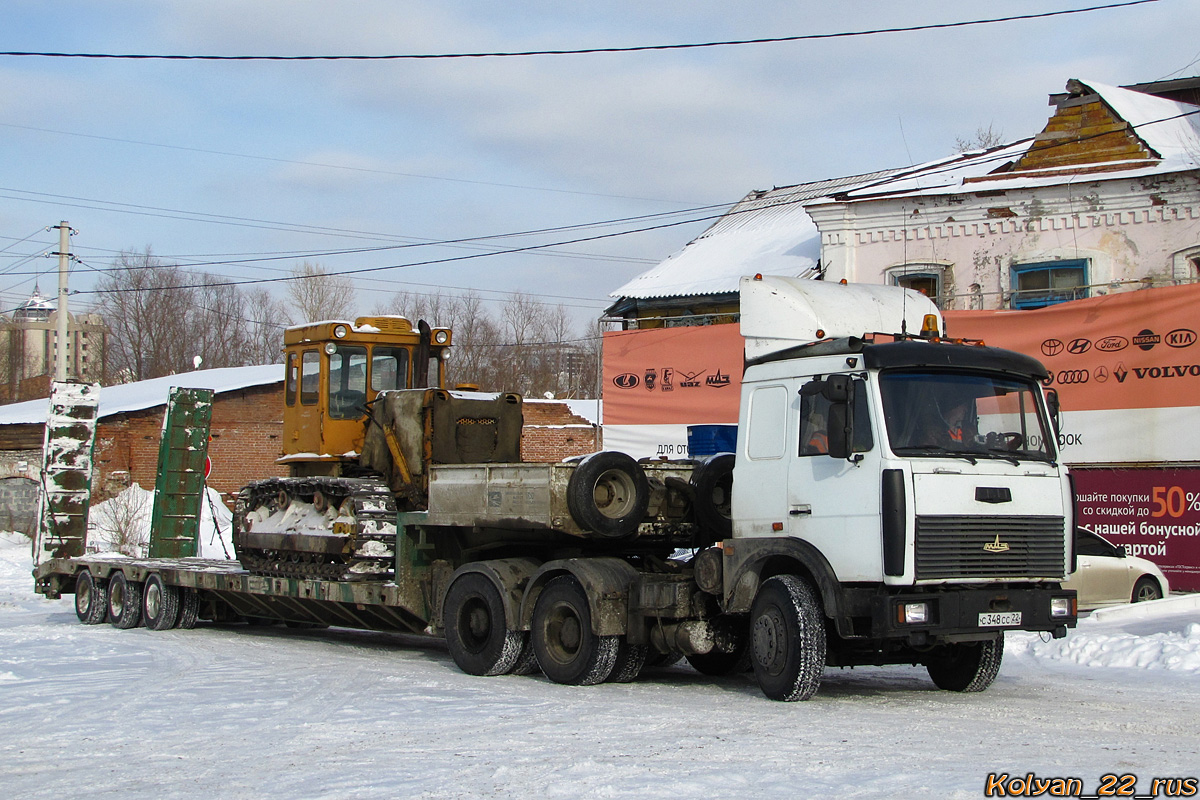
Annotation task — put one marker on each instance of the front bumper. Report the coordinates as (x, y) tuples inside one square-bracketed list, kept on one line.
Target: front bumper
[(967, 613)]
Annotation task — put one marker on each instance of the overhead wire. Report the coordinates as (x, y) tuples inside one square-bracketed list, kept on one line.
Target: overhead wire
[(581, 50)]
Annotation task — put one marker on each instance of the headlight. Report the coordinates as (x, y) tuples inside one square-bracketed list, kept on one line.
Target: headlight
[(339, 331), (330, 348), (914, 613), (1062, 606), (441, 337)]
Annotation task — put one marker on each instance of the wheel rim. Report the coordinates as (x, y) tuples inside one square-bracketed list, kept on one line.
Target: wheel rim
[(116, 598), (83, 599), (153, 599), (615, 494), (1146, 592), (769, 640), (474, 624), (564, 633)]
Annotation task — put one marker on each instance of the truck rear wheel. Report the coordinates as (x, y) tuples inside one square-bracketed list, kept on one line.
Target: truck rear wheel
[(712, 483), (476, 632), (189, 609), (124, 601), (160, 604), (787, 639), (966, 666), (608, 494), (91, 598), (630, 660), (567, 649)]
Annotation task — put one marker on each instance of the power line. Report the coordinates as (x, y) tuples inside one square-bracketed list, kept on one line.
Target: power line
[(581, 51)]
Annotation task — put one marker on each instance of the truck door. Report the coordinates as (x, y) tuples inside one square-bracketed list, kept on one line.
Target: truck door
[(834, 502)]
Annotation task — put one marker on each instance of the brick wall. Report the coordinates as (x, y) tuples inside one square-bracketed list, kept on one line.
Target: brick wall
[(247, 426), (553, 433)]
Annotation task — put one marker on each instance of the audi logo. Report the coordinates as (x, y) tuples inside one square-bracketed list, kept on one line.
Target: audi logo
[(1073, 376)]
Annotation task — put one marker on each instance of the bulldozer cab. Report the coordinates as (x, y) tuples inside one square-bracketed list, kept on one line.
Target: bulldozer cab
[(334, 369)]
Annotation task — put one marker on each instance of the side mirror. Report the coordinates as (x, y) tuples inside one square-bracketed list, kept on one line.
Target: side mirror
[(841, 430), (1055, 409), (1121, 551)]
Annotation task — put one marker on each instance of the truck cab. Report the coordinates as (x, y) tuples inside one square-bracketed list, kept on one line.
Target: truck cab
[(335, 369)]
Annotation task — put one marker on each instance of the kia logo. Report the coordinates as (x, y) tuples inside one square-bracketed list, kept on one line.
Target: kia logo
[(1180, 337), (1112, 344), (626, 381), (1078, 346), (1068, 376), (1052, 347), (1146, 339)]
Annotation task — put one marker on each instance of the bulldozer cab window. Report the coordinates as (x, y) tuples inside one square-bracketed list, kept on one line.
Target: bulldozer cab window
[(347, 382), (389, 368), (310, 378), (293, 378)]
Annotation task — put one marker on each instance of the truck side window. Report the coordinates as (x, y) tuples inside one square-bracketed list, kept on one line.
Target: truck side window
[(814, 426), (292, 380), (389, 368), (768, 416), (347, 382), (310, 378)]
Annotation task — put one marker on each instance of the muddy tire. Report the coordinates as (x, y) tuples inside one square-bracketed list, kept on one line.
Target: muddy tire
[(712, 483), (787, 639), (608, 494), (631, 658), (160, 604), (567, 650), (189, 609), (966, 666), (527, 660), (91, 598), (124, 601), (476, 632)]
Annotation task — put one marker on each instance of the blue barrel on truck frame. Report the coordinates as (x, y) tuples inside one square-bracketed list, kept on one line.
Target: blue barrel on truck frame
[(707, 440)]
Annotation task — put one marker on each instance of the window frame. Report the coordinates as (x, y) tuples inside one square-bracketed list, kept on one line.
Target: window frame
[(1022, 299)]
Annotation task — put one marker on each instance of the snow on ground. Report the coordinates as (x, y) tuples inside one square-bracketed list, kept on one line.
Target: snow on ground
[(239, 712), (122, 524)]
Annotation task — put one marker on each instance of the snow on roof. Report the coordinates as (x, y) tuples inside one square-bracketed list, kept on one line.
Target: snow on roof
[(767, 232), (1158, 122), (150, 393)]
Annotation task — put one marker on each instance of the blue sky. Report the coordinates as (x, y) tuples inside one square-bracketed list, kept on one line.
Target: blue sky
[(224, 159)]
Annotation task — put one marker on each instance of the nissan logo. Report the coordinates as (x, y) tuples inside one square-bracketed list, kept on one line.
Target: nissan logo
[(1146, 339), (1068, 376), (1052, 347), (626, 381)]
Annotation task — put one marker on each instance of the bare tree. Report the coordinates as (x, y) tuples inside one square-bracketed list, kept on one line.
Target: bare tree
[(266, 318), (317, 295), (984, 139)]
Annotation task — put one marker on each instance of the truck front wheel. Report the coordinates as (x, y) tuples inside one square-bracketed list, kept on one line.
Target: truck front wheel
[(966, 666), (567, 649), (476, 632), (787, 639)]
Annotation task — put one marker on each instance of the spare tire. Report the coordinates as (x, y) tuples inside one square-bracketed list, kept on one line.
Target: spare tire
[(712, 482), (608, 494)]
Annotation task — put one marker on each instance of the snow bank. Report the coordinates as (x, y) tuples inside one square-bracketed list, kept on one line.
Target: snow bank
[(122, 524)]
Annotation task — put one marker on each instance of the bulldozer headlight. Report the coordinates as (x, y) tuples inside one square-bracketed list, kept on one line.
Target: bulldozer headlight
[(339, 331)]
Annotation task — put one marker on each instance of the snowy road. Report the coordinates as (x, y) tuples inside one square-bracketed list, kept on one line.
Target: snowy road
[(233, 712)]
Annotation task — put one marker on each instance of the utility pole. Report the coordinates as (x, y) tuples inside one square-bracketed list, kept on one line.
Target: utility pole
[(64, 260)]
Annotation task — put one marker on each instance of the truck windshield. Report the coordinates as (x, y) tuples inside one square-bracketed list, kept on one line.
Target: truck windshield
[(964, 415)]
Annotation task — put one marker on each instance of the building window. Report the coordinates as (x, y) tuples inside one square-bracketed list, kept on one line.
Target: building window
[(1045, 283), (923, 278)]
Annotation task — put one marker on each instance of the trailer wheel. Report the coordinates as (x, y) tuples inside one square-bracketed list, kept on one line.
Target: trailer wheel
[(124, 601), (608, 494), (712, 484), (567, 649), (966, 666), (160, 604), (787, 639), (189, 609), (479, 639), (631, 658), (91, 598)]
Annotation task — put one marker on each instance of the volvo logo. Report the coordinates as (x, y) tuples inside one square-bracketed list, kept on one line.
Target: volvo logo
[(626, 381), (1052, 347), (1069, 376), (1078, 346), (1112, 344), (1180, 337)]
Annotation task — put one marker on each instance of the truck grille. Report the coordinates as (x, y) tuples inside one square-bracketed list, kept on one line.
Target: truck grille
[(990, 547)]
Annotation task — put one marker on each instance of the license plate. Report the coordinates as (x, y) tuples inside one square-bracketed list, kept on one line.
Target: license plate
[(1000, 620)]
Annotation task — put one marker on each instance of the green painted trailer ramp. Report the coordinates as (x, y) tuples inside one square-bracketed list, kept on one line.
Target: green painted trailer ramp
[(179, 490), (70, 436)]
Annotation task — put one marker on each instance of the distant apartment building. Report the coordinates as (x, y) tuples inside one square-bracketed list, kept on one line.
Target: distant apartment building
[(29, 348)]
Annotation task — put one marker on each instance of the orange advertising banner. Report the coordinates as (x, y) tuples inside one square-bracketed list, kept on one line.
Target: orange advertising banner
[(673, 375), (1122, 351)]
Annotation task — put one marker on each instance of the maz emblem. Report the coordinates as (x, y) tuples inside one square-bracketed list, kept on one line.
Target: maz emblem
[(996, 546)]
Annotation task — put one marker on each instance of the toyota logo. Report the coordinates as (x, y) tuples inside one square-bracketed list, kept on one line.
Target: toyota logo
[(1068, 376), (1052, 347)]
